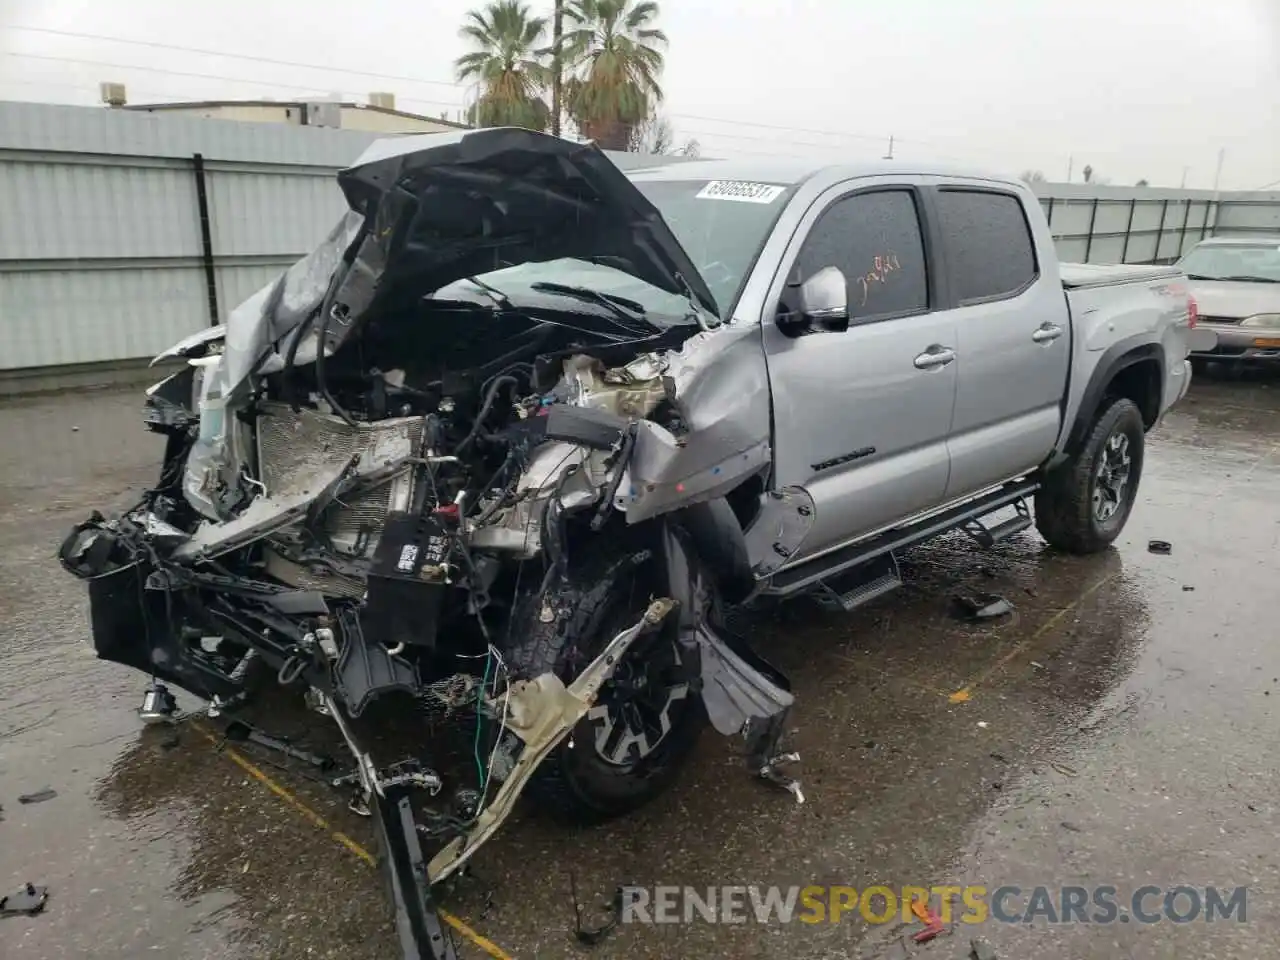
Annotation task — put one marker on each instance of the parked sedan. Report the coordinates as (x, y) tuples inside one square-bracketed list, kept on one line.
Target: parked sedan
[(1236, 282)]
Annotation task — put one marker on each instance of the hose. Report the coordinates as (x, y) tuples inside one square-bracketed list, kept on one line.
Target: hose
[(489, 397), (286, 376)]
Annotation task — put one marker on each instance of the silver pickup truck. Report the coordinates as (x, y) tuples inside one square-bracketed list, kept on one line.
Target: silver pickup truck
[(522, 428)]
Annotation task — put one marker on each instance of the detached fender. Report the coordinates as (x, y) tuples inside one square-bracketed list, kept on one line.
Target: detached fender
[(1116, 359), (743, 694)]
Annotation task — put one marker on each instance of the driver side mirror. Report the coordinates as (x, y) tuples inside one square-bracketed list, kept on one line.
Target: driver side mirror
[(823, 304), (824, 300)]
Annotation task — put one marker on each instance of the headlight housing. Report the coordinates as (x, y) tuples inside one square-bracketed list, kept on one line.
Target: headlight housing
[(1262, 320)]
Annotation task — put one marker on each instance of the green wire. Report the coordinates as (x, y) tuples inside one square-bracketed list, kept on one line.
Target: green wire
[(481, 772)]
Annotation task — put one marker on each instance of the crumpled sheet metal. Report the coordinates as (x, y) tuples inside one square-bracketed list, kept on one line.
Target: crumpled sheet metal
[(719, 384), (784, 520), (733, 692)]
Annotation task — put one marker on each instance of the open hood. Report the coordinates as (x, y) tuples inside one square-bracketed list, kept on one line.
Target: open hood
[(442, 207)]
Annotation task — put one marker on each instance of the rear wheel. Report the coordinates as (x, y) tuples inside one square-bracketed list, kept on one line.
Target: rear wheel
[(631, 744), (1084, 504)]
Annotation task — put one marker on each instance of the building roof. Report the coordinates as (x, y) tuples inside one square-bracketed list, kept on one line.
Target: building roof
[(210, 104)]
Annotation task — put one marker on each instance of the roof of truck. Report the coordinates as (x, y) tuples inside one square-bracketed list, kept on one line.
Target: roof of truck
[(796, 171)]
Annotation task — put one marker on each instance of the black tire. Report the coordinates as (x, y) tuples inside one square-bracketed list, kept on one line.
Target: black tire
[(1068, 511), (605, 591)]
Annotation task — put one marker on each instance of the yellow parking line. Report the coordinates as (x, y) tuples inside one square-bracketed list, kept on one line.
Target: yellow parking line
[(966, 691), (484, 943)]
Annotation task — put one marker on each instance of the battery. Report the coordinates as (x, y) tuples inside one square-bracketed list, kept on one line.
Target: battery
[(407, 577)]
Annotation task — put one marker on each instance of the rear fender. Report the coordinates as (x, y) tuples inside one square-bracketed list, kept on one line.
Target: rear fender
[(1114, 361)]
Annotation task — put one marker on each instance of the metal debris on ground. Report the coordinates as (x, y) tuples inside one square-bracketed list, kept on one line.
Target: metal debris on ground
[(28, 901), (1159, 546), (981, 606), (591, 937), (39, 796)]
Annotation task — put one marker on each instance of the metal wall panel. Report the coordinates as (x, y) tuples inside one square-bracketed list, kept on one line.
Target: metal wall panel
[(255, 214), (50, 317), (56, 210), (102, 256)]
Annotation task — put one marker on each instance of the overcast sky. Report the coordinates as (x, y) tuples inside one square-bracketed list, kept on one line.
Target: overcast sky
[(1135, 88)]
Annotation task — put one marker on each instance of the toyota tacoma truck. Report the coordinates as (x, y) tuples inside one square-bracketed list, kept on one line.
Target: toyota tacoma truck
[(522, 430)]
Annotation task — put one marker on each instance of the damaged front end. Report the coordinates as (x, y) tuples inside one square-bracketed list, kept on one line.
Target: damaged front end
[(391, 473)]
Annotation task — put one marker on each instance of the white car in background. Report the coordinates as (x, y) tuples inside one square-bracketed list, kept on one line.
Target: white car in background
[(1236, 283)]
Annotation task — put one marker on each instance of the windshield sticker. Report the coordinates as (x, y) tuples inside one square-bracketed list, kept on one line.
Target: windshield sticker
[(743, 191)]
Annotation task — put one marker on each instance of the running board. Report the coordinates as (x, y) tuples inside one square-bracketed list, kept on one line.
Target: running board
[(804, 576), (990, 536), (857, 586)]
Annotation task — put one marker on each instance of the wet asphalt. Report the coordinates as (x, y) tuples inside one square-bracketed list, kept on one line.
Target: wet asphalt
[(1117, 729)]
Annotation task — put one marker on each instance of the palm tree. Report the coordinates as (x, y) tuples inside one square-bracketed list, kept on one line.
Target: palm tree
[(616, 52), (506, 64), (557, 66)]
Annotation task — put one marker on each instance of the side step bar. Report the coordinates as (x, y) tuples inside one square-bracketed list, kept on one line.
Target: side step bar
[(804, 576), (990, 536), (856, 586)]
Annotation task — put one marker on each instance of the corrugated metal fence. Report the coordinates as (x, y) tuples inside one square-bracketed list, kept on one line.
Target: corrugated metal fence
[(1105, 224), (122, 232)]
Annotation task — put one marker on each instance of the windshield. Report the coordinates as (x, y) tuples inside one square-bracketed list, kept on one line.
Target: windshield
[(1257, 262), (721, 224)]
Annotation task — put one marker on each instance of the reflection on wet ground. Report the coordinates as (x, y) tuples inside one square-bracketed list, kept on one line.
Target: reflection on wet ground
[(1116, 729)]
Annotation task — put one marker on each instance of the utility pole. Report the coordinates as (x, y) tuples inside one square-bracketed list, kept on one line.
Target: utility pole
[(1071, 162), (557, 67), (1217, 174), (889, 155), (1184, 178)]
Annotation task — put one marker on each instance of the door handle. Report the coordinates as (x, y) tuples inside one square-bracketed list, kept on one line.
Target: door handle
[(1047, 333), (935, 356)]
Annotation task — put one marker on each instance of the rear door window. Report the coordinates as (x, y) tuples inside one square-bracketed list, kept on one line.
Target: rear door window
[(987, 243), (875, 240)]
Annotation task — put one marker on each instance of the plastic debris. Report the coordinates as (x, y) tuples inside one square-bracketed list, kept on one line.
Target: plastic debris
[(1159, 546), (933, 923), (41, 795), (28, 901), (982, 606)]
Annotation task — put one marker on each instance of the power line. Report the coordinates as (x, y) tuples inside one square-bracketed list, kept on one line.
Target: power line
[(156, 45), (237, 56), (184, 73), (878, 138), (745, 136)]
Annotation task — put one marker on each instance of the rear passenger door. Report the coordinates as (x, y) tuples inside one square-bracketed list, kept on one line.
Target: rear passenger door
[(1013, 343), (861, 416)]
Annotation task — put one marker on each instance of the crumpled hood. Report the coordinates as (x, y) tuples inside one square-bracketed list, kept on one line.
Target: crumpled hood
[(436, 208), (441, 207)]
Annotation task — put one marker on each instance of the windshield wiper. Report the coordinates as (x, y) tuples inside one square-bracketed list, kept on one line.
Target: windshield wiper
[(493, 293), (627, 312)]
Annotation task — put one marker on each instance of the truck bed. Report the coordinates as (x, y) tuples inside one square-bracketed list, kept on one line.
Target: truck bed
[(1077, 275)]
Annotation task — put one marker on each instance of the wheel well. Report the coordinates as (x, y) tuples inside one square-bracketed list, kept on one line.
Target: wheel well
[(1141, 383)]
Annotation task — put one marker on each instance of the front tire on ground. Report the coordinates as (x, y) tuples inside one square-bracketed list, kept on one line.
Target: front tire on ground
[(646, 721), (1084, 504)]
